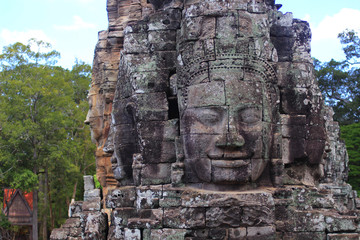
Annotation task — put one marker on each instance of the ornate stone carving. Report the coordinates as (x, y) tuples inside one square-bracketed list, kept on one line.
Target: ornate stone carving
[(218, 128)]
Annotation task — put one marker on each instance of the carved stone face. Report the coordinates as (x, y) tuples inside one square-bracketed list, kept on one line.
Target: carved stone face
[(224, 131)]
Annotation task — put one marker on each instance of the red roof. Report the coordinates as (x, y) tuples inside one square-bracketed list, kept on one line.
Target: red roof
[(9, 193)]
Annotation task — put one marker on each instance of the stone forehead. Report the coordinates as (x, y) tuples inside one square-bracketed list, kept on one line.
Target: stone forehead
[(232, 64), (222, 92), (231, 67)]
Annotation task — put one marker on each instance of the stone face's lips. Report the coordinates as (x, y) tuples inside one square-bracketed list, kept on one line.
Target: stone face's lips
[(230, 163), (236, 155)]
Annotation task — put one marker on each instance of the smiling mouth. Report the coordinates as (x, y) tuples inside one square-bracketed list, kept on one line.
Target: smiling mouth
[(231, 156), (230, 163)]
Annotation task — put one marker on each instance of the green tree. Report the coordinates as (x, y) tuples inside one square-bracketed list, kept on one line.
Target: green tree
[(44, 144), (351, 135), (339, 82)]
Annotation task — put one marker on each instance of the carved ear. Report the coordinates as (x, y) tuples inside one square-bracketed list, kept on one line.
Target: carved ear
[(159, 3)]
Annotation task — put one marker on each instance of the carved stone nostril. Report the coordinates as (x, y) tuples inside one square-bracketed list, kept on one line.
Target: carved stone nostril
[(230, 140), (221, 141), (235, 140)]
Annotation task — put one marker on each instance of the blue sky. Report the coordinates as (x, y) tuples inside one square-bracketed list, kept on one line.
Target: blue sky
[(71, 26), (327, 19)]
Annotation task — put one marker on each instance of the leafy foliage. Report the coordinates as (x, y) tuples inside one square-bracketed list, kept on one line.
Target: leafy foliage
[(351, 135), (44, 144), (340, 81)]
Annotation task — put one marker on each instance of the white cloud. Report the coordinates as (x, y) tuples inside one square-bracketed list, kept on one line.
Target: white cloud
[(77, 24), (9, 37), (331, 26)]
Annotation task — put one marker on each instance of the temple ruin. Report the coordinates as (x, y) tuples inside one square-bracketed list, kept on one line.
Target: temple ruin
[(209, 124)]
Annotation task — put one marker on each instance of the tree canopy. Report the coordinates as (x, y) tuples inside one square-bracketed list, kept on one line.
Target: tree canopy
[(339, 81), (44, 145)]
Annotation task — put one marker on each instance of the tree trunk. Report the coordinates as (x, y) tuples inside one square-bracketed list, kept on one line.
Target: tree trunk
[(44, 217), (50, 205), (35, 215), (35, 233)]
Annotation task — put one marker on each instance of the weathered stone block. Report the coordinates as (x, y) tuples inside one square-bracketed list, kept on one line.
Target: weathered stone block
[(72, 223), (165, 233), (303, 221), (165, 20), (153, 130), (96, 226), (147, 218), (315, 150), (115, 233), (88, 183), (337, 223), (184, 218), (134, 234), (207, 94), (156, 174), (162, 40), (294, 131), (146, 82), (284, 47), (229, 217), (343, 236), (91, 194), (120, 216), (75, 233), (59, 233), (266, 232), (257, 6), (75, 208), (237, 233), (213, 199), (292, 149), (92, 205), (121, 197), (152, 107), (165, 151), (204, 8), (169, 202), (199, 28), (304, 236), (148, 197), (136, 43)]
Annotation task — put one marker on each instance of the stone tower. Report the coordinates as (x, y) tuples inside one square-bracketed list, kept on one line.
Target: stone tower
[(218, 129)]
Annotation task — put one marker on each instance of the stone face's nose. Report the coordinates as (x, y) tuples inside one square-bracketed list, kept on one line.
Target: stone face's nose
[(230, 140), (235, 140), (87, 120)]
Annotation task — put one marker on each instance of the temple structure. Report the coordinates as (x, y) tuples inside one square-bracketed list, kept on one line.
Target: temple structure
[(210, 124)]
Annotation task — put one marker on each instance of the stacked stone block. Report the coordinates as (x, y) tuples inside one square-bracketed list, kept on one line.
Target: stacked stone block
[(86, 220)]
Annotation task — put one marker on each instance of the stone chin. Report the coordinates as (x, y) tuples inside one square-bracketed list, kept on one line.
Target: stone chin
[(231, 171)]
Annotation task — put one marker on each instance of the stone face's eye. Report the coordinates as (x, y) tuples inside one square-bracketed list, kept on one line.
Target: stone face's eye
[(250, 115), (209, 117)]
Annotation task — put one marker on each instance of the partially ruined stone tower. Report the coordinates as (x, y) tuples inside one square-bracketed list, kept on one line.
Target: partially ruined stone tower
[(209, 124)]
